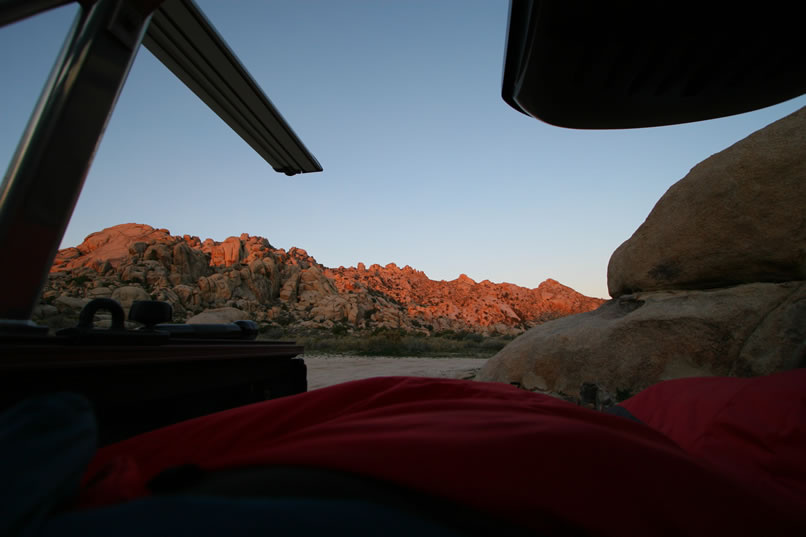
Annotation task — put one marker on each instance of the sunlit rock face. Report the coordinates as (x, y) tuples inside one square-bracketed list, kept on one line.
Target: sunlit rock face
[(713, 282), (278, 288), (447, 304)]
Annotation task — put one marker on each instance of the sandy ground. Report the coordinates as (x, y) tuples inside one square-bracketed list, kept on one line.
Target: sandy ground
[(326, 370)]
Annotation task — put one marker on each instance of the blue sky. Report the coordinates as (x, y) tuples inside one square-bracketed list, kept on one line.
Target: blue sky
[(425, 165)]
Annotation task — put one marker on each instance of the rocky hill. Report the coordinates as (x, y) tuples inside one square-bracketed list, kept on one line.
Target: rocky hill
[(246, 277)]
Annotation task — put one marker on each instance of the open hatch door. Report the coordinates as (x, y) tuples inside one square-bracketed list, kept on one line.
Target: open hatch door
[(615, 65)]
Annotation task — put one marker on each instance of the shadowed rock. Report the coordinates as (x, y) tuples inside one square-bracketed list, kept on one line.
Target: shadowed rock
[(737, 217), (634, 341)]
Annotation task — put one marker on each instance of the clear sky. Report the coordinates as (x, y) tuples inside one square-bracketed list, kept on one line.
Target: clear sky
[(425, 165)]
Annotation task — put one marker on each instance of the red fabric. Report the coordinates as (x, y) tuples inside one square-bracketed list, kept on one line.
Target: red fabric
[(117, 479), (751, 428), (531, 459)]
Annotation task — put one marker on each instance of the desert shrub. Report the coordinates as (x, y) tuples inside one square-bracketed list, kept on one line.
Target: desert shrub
[(493, 344), (272, 332), (395, 342), (340, 330), (415, 346), (474, 337)]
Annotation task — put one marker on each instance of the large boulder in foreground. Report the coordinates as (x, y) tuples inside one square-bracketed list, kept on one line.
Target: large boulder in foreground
[(637, 340), (737, 217)]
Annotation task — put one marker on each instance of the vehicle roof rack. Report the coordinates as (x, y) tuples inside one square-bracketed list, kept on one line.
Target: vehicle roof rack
[(180, 36)]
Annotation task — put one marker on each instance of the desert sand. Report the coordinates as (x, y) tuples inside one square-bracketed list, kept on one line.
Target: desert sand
[(326, 370)]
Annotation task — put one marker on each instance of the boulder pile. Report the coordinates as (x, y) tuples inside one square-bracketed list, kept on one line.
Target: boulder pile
[(712, 283), (247, 278)]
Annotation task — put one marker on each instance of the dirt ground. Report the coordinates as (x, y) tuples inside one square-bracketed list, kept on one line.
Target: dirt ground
[(324, 370)]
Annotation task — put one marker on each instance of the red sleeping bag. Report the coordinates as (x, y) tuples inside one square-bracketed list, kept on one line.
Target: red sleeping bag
[(526, 458), (752, 428)]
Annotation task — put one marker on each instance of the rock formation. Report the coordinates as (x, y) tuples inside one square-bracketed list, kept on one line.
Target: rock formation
[(737, 217), (441, 305), (246, 277), (637, 340), (711, 284)]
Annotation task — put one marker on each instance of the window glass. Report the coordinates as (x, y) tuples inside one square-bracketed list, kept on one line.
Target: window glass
[(28, 51)]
